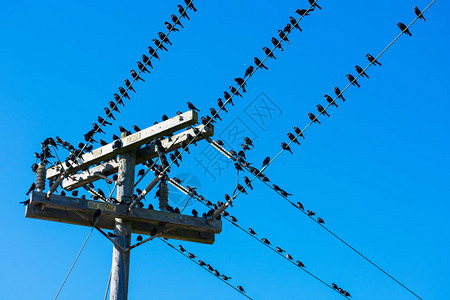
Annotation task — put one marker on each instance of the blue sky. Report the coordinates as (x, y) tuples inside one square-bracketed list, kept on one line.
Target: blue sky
[(375, 171)]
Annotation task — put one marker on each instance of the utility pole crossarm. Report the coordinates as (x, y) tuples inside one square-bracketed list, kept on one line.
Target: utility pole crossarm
[(130, 142), (142, 156)]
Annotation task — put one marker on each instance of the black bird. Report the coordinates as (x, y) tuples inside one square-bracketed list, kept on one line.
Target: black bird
[(97, 128), (74, 193), (194, 213), (192, 256), (142, 67), (141, 172), (139, 238), (266, 161), (190, 5), (170, 27), (224, 277), (300, 264), (361, 71), (154, 231), (320, 220), (303, 12), (176, 21), (293, 138), (214, 114), (123, 92), (403, 28), (112, 235), (201, 263), (286, 147), (209, 267), (269, 53), (294, 23), (252, 231), (372, 59), (248, 71), (234, 91), (322, 110), (314, 4), (280, 250), (118, 99), (283, 36), (241, 189), (300, 206), (338, 93), (115, 137), (113, 106), (128, 85), (248, 141), (241, 83), (259, 63), (248, 182), (136, 128), (228, 98), (238, 167), (277, 188), (159, 44), (136, 76), (165, 118), (182, 12), (240, 288), (153, 52), (146, 60), (299, 132), (285, 194), (32, 188), (97, 214), (266, 241), (288, 256), (181, 248), (220, 103), (232, 152), (192, 107), (310, 213), (164, 38), (334, 286), (288, 28), (330, 100), (216, 273), (352, 80), (313, 118), (241, 154), (233, 219), (123, 130), (276, 43), (245, 147), (419, 13)]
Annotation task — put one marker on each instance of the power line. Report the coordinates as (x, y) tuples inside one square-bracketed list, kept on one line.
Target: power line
[(226, 282)]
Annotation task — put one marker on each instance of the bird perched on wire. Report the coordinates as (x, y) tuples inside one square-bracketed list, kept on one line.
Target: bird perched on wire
[(298, 132), (294, 23), (164, 38), (320, 220), (214, 114), (314, 4), (159, 44), (170, 27), (221, 106), (372, 59), (266, 241), (419, 13), (241, 83), (182, 12), (123, 92), (259, 63), (234, 91), (146, 60), (118, 99), (322, 110), (288, 28), (310, 213), (142, 67), (192, 256), (361, 71), (228, 98), (248, 182), (276, 43), (330, 100), (136, 76), (300, 264), (248, 71), (240, 288), (300, 206), (352, 80), (265, 161), (176, 20), (241, 189), (269, 53), (181, 248), (313, 118), (128, 85), (285, 146), (304, 12), (153, 52), (404, 28), (97, 128), (190, 5), (109, 114), (252, 231), (338, 93), (283, 36), (248, 141), (279, 250), (293, 138)]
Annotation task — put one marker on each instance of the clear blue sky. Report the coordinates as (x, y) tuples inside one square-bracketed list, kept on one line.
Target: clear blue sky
[(376, 171)]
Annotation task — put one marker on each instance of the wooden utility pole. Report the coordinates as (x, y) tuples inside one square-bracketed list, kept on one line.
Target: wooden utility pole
[(120, 268)]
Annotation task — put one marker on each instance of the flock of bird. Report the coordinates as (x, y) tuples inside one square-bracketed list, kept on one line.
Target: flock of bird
[(239, 157)]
